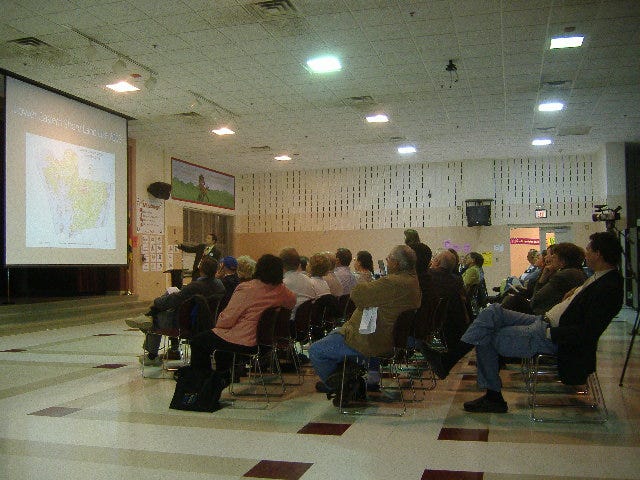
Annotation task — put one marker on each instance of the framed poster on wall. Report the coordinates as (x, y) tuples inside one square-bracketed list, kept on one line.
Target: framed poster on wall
[(197, 184)]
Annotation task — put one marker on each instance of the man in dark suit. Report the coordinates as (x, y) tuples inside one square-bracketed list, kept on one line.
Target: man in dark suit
[(437, 284), (570, 329), (202, 249)]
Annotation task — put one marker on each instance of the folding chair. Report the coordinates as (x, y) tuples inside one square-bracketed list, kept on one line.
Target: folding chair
[(284, 341), (586, 399), (436, 340), (390, 365), (302, 323), (257, 358), (345, 308), (183, 331), (323, 316)]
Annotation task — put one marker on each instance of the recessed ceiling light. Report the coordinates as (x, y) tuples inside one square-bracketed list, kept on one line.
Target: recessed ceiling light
[(566, 42), (223, 131), (324, 64), (282, 158), (407, 149), (551, 107), (379, 118), (122, 87), (541, 142)]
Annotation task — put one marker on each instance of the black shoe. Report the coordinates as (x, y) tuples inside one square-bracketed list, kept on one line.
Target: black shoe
[(303, 359), (322, 388), (485, 405), (435, 360), (355, 389)]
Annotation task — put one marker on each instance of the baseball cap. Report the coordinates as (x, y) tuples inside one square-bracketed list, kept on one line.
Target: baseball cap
[(230, 262)]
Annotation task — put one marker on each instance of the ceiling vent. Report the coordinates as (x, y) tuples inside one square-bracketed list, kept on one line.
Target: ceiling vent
[(189, 115), (557, 85), (261, 148), (363, 102), (269, 9), (545, 129), (573, 130), (33, 48), (30, 43)]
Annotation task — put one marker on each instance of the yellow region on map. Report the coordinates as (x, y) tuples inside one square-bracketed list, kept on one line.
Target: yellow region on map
[(84, 198)]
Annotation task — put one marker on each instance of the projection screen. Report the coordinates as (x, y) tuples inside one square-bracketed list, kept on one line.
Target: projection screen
[(66, 180)]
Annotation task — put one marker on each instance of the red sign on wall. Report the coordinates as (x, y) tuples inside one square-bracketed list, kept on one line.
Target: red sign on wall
[(524, 241)]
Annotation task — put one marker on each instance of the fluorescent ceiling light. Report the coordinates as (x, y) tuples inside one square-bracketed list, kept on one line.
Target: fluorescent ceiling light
[(407, 149), (324, 64), (380, 118), (223, 131), (122, 87), (550, 107), (282, 158), (541, 142), (566, 42)]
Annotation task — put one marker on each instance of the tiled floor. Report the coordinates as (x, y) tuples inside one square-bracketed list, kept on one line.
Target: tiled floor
[(73, 405)]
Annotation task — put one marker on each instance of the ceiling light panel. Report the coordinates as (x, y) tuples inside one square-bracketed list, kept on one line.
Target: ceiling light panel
[(122, 87), (550, 107), (566, 42)]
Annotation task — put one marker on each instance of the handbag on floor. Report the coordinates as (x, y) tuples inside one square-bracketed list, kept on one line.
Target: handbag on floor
[(197, 390)]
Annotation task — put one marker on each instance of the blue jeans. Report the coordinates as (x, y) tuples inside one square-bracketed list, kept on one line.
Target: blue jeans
[(498, 331), (328, 353)]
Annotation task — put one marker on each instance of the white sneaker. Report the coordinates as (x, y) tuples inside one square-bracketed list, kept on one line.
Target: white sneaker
[(149, 362)]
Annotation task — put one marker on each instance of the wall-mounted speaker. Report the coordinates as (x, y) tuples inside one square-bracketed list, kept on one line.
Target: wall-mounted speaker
[(160, 190), (478, 215)]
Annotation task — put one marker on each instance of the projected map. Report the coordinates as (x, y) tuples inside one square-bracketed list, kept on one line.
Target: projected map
[(70, 195)]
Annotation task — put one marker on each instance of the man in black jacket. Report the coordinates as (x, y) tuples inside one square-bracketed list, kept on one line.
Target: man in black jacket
[(202, 249), (570, 329), (162, 313)]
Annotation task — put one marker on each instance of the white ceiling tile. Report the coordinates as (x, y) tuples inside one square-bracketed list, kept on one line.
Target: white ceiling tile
[(257, 72)]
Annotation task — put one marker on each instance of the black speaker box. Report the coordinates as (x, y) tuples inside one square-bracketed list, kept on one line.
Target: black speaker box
[(478, 215), (160, 190)]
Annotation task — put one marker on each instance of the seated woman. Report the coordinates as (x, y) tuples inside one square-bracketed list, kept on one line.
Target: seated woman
[(363, 266), (562, 273), (246, 268), (319, 266), (473, 272), (237, 325)]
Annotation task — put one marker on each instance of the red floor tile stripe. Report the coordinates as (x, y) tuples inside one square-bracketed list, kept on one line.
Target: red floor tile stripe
[(464, 434), (451, 475), (278, 470), (316, 428)]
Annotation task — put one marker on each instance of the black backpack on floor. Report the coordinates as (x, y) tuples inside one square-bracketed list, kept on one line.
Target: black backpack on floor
[(197, 390)]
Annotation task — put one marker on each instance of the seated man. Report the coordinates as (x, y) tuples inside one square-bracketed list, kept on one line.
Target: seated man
[(164, 308), (202, 249), (570, 329), (228, 275), (392, 295), (294, 279), (342, 272), (439, 282)]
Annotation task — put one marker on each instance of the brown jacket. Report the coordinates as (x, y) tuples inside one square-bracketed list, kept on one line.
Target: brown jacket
[(392, 295)]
